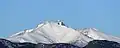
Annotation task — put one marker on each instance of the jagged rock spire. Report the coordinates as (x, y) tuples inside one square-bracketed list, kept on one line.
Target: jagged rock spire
[(60, 22)]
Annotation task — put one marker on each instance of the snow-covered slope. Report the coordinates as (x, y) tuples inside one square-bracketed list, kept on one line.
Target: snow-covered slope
[(57, 32), (97, 35), (47, 32), (90, 34)]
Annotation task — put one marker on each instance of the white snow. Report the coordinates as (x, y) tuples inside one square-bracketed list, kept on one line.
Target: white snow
[(55, 32)]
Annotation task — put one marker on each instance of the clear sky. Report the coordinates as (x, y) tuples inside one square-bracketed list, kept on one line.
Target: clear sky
[(17, 15)]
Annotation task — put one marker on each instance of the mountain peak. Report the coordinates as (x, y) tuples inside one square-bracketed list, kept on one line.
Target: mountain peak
[(57, 32), (58, 22)]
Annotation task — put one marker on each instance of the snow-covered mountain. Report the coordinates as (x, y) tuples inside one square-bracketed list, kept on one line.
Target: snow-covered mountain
[(57, 32)]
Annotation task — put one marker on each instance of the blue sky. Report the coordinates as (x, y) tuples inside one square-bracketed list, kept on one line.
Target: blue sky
[(17, 15)]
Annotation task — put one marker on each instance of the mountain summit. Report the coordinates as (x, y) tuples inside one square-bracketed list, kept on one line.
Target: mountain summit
[(57, 32)]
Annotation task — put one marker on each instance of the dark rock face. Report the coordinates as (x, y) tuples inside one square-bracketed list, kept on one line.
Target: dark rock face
[(56, 45), (102, 44), (25, 45), (93, 44), (7, 44)]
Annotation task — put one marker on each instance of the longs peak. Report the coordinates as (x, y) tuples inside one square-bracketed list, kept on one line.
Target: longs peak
[(58, 32)]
